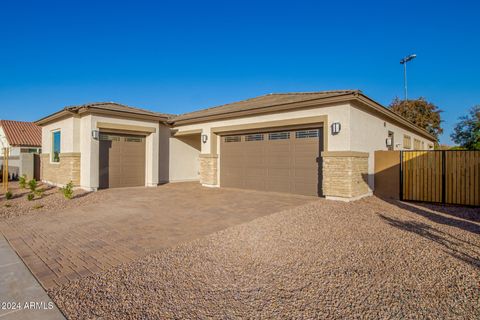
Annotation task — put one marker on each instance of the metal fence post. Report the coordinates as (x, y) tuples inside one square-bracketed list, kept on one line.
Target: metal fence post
[(401, 176), (444, 180)]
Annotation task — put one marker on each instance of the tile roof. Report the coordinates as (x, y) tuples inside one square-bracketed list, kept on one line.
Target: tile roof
[(20, 133), (113, 106), (268, 100)]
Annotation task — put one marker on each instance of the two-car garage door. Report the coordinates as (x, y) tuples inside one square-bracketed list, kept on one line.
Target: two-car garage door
[(280, 161), (122, 160)]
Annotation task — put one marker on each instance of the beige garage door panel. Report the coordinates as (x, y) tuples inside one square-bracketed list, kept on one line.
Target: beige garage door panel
[(122, 160), (281, 162)]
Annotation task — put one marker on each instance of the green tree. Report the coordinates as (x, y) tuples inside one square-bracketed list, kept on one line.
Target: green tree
[(467, 131), (424, 114)]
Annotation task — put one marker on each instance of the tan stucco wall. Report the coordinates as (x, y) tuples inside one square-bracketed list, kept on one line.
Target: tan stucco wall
[(69, 137), (76, 137), (184, 158), (368, 133)]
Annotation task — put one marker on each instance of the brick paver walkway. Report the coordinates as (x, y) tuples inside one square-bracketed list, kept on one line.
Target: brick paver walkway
[(62, 246)]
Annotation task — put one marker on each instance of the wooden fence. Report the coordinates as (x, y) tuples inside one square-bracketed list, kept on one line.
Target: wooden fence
[(443, 176)]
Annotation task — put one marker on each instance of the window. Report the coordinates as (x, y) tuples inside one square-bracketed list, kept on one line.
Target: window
[(407, 142), (233, 139), (279, 135), (56, 136), (254, 137), (133, 139), (306, 134), (108, 137), (417, 144)]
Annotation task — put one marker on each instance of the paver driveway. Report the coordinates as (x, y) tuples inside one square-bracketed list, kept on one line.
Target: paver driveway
[(131, 222)]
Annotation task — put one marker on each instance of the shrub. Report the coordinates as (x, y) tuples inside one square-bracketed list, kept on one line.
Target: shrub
[(8, 195), (30, 196), (67, 190), (23, 181), (32, 184)]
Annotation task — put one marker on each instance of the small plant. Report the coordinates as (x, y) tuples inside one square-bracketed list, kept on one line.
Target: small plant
[(38, 206), (30, 196), (67, 190), (38, 192), (22, 182), (32, 184), (7, 205), (8, 195)]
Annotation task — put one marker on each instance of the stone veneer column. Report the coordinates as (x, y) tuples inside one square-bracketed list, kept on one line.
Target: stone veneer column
[(61, 173), (208, 169), (345, 175)]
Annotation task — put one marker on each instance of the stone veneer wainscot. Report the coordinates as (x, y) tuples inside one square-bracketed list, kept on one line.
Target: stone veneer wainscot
[(208, 169), (345, 174), (61, 173)]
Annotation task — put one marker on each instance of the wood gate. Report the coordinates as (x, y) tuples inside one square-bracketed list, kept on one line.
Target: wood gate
[(444, 176)]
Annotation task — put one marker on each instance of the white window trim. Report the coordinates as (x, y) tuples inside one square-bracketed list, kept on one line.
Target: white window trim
[(52, 146)]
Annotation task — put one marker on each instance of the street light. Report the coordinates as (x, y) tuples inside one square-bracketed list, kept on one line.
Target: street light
[(404, 62)]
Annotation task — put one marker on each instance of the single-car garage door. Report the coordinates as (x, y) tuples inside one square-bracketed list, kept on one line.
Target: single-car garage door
[(122, 160), (281, 161)]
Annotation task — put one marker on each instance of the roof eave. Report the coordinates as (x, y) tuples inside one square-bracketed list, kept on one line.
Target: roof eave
[(267, 109), (26, 145), (72, 111), (87, 110), (54, 116)]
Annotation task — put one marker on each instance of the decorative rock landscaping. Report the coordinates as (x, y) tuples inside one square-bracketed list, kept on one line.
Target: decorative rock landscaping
[(366, 259)]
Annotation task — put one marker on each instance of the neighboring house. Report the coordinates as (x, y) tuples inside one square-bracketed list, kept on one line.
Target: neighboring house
[(22, 139), (318, 143)]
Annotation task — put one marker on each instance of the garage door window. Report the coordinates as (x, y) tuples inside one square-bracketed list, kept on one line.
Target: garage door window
[(306, 134), (133, 139), (279, 136), (233, 139), (108, 137), (254, 137)]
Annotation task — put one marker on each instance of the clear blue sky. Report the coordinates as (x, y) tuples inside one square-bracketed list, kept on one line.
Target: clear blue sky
[(178, 56)]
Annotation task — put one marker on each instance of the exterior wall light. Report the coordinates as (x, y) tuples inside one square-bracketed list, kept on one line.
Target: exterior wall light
[(336, 127), (95, 134), (389, 142), (204, 138)]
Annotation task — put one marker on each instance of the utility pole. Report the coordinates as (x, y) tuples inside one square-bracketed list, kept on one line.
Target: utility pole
[(404, 62)]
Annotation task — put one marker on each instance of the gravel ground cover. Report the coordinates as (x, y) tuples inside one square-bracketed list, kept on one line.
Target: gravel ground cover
[(329, 260), (52, 199)]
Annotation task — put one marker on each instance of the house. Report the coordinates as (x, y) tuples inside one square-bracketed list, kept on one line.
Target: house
[(315, 143), (22, 139)]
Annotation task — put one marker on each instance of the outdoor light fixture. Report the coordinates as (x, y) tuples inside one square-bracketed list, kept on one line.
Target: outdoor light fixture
[(389, 142), (336, 127), (404, 62), (95, 134), (204, 138)]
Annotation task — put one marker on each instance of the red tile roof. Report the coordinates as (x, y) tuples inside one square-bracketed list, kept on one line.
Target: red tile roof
[(20, 133)]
